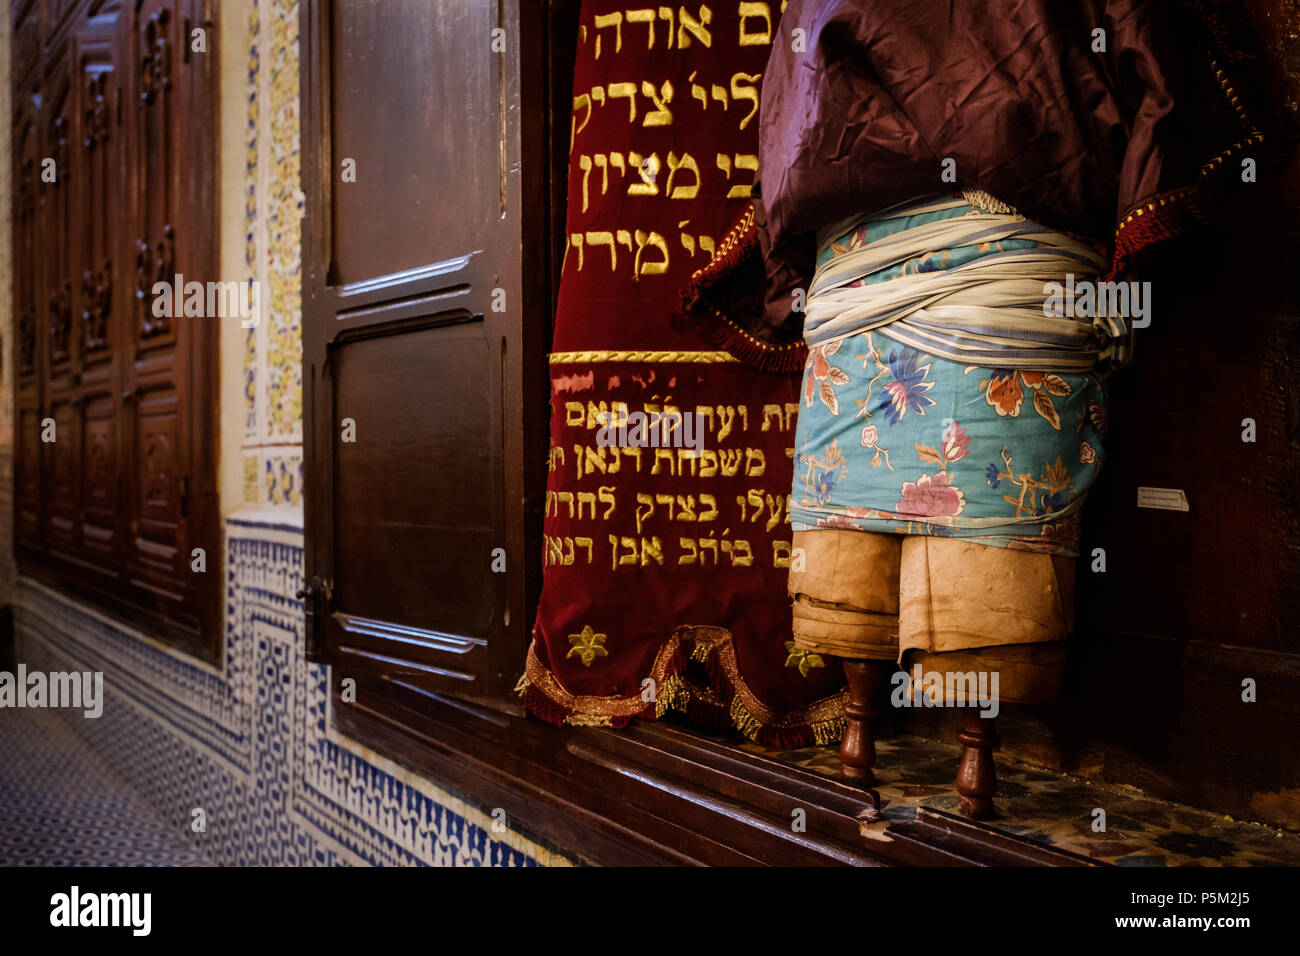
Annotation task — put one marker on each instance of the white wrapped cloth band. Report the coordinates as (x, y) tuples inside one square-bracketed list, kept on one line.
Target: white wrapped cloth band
[(988, 312)]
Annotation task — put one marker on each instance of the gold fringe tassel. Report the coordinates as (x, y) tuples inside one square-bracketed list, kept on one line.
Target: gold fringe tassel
[(745, 722), (674, 695), (827, 732), (588, 720)]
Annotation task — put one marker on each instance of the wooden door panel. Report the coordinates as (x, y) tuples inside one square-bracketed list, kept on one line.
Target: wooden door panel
[(417, 490), (419, 182), (57, 303), (156, 508), (28, 35), (63, 474), (57, 11), (100, 512), (157, 136), (58, 225), (27, 473), (97, 207), (27, 283)]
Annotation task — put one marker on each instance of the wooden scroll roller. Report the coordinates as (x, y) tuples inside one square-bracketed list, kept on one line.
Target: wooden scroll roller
[(845, 590), (970, 609)]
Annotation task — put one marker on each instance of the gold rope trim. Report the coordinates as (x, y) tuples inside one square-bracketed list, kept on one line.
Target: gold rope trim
[(706, 358), (1176, 196), (588, 711), (825, 716), (588, 720), (718, 313), (729, 241), (1255, 138)]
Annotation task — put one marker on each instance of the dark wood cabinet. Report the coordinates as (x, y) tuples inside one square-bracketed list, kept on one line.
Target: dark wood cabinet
[(113, 507)]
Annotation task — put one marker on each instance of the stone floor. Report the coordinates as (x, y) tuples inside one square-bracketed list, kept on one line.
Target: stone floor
[(1058, 810), (60, 805)]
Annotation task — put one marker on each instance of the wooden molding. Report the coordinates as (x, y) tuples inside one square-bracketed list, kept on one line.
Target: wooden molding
[(657, 794)]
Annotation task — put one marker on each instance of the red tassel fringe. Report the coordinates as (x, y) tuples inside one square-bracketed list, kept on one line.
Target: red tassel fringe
[(718, 330), (1221, 37), (1135, 240), (740, 242), (543, 708), (710, 716), (785, 738), (738, 247)]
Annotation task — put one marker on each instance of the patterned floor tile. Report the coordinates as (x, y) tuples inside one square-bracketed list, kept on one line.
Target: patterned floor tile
[(61, 805), (1058, 810)]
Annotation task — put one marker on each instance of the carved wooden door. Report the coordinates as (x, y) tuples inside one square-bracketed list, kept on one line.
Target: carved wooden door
[(158, 393), (98, 146), (154, 498), (59, 176), (28, 315)]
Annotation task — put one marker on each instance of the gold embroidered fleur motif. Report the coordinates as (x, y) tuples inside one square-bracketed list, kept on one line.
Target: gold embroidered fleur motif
[(587, 646), (804, 660)]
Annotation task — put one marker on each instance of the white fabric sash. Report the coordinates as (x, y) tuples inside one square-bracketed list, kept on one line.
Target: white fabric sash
[(988, 312)]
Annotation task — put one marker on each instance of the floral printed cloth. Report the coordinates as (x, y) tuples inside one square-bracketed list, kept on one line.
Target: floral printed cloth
[(893, 440)]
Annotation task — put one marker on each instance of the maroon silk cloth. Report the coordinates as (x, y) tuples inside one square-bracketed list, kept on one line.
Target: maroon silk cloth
[(661, 566), (1107, 119)]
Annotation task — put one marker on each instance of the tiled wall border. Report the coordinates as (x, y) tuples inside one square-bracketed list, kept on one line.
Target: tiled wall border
[(252, 743)]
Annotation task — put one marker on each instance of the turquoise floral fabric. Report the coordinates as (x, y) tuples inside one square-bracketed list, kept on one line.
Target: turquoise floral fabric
[(890, 439)]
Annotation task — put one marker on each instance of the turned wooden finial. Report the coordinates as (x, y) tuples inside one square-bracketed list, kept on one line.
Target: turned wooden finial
[(976, 775), (858, 748)]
